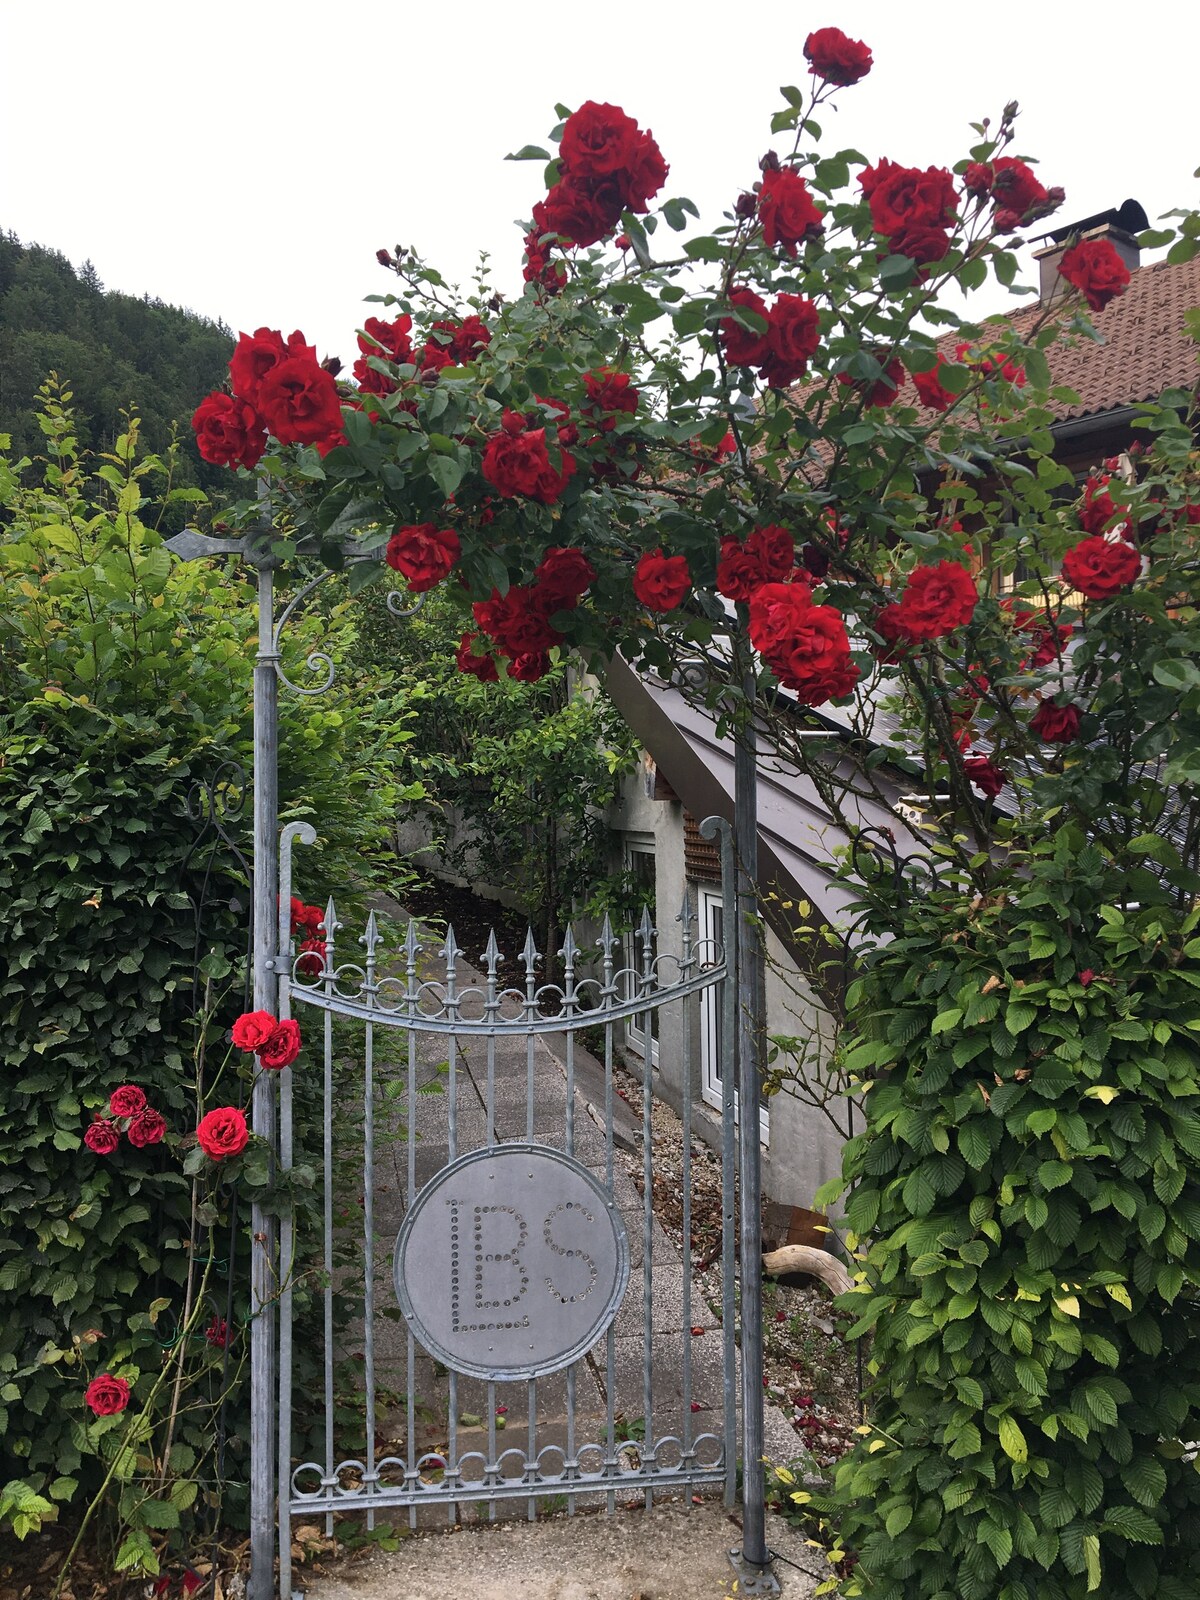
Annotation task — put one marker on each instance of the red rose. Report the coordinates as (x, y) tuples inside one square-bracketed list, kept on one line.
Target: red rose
[(645, 174), (539, 268), (102, 1137), (1087, 977), (519, 464), (467, 338), (1100, 567), (880, 391), (229, 432), (1095, 268), (518, 625), (282, 1048), (581, 212), (561, 576), (995, 365), (765, 557), (529, 667), (786, 209), (423, 554), (106, 1395), (388, 341), (897, 639), (774, 609), (836, 58), (937, 599), (661, 581), (922, 243), (793, 334), (255, 355), (977, 179), (481, 667), (929, 387), (311, 962), (1017, 192), (609, 391), (598, 140), (310, 918), (985, 775), (1055, 724), (299, 403), (744, 348), (252, 1030), (217, 1333), (908, 197), (126, 1101), (148, 1127), (1097, 508), (222, 1132), (805, 645)]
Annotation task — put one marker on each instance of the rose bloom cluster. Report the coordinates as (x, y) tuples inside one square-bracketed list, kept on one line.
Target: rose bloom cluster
[(276, 1044), (130, 1113), (804, 644), (784, 346), (308, 924), (518, 625), (606, 165), (279, 388), (937, 599)]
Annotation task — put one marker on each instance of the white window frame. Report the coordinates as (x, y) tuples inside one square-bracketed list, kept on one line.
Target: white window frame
[(636, 1039), (710, 913)]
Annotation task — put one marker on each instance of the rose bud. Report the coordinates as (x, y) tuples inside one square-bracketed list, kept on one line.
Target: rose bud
[(769, 162), (384, 257), (747, 205), (332, 365)]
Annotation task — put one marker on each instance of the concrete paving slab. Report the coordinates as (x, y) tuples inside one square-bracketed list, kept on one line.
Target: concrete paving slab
[(671, 1553)]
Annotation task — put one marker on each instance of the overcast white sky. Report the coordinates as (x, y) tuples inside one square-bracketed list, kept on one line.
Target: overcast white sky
[(247, 159)]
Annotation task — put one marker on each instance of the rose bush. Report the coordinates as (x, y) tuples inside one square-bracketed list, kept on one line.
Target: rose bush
[(800, 368)]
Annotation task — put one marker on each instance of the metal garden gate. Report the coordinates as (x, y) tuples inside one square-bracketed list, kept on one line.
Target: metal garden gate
[(507, 1293), (512, 1375)]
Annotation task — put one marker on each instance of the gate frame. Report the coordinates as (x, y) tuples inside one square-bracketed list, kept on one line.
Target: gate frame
[(752, 1560)]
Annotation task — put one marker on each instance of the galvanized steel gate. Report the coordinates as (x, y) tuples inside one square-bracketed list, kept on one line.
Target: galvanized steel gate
[(513, 1259)]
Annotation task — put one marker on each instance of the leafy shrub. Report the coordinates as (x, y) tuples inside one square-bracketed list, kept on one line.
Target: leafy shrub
[(1029, 1188), (126, 682)]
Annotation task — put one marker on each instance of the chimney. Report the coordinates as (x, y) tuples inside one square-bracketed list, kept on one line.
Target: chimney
[(1119, 226)]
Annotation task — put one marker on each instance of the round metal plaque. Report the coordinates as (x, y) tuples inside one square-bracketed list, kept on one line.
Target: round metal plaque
[(511, 1262)]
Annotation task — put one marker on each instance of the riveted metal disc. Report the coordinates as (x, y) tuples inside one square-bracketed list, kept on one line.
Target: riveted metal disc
[(511, 1262)]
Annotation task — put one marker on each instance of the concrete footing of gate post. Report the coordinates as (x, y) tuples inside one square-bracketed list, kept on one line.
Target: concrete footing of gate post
[(674, 1552)]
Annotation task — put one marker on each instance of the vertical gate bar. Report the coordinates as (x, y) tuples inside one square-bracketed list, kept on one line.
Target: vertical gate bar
[(452, 1145), (452, 1446), (369, 1238), (410, 1399), (410, 1430), (571, 1431), (286, 1252), (490, 1109), (610, 1342), (570, 1124), (531, 1444), (529, 1088), (263, 1433), (491, 1476), (327, 1259), (728, 1024), (645, 1024), (750, 981), (686, 1179)]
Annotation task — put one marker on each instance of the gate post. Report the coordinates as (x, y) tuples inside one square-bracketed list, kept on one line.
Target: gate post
[(263, 1245), (753, 1561)]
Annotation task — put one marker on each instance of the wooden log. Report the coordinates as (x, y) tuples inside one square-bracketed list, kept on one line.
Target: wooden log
[(804, 1258)]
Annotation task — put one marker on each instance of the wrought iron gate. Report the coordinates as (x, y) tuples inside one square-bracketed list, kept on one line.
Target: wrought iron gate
[(510, 1281)]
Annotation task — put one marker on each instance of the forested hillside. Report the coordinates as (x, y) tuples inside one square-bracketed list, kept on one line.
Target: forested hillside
[(113, 349)]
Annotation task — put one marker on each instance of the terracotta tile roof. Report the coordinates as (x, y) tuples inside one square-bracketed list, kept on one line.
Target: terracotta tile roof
[(1145, 348)]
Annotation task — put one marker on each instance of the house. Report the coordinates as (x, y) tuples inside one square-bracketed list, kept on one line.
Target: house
[(687, 770)]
